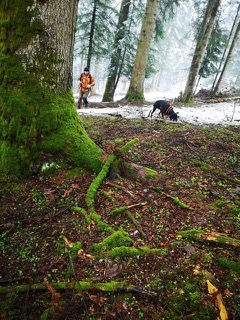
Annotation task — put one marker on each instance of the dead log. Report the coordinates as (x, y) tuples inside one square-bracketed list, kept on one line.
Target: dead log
[(78, 287), (215, 237)]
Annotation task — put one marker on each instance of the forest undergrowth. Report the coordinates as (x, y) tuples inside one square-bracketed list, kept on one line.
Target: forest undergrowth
[(162, 248)]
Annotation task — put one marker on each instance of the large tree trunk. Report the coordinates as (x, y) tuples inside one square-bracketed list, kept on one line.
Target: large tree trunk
[(226, 47), (38, 116), (116, 56), (90, 47), (228, 59), (201, 45), (135, 91)]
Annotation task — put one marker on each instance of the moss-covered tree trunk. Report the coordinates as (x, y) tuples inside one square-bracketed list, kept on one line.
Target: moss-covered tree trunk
[(38, 117), (135, 91), (201, 45)]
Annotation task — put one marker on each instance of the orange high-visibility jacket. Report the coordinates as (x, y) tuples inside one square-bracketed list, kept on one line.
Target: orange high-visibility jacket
[(85, 79)]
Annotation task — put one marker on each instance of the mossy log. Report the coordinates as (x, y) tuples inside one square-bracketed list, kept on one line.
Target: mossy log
[(78, 287), (215, 237), (230, 264)]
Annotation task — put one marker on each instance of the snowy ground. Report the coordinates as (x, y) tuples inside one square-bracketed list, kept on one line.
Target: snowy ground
[(227, 113)]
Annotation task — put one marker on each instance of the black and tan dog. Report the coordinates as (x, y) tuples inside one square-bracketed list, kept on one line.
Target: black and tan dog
[(166, 109)]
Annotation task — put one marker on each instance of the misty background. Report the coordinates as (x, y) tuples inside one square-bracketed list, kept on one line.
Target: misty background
[(172, 51)]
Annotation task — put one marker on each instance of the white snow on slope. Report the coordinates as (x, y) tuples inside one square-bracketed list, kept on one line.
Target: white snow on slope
[(227, 113)]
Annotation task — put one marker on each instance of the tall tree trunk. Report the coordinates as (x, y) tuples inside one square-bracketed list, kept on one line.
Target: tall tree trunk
[(201, 45), (38, 118), (223, 56), (228, 59), (135, 91), (90, 46), (116, 56)]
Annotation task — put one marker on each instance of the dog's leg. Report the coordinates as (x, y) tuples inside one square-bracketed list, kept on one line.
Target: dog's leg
[(153, 110)]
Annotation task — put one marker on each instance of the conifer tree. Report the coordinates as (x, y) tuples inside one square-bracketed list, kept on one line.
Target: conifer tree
[(200, 48)]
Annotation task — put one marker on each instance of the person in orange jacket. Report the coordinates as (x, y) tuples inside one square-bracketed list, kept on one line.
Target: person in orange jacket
[(86, 82)]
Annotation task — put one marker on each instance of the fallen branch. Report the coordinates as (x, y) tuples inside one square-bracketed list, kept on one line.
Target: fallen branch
[(136, 223), (130, 216), (125, 208), (216, 237), (120, 188), (177, 201), (78, 287)]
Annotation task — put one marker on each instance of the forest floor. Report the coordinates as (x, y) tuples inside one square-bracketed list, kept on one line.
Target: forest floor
[(179, 257)]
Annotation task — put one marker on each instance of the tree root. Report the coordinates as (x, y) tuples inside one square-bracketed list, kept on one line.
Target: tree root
[(102, 174)]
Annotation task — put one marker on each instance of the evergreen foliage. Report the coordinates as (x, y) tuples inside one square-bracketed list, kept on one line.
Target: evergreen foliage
[(103, 28), (213, 54)]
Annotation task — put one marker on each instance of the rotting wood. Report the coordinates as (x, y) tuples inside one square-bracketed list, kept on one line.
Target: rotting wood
[(218, 301), (215, 237), (80, 286)]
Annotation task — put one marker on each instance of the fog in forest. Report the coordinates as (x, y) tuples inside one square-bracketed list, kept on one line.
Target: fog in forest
[(173, 59)]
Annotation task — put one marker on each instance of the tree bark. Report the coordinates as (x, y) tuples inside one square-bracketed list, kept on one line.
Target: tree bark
[(225, 50), (135, 91), (116, 56), (90, 47), (201, 45), (38, 117), (228, 59)]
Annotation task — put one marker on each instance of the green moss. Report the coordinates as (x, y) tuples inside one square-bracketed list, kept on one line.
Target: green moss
[(150, 173), (192, 234), (187, 303), (226, 240), (74, 250), (117, 239), (85, 215), (75, 172), (123, 252), (235, 266), (35, 117), (135, 96), (204, 166), (219, 204), (103, 226)]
